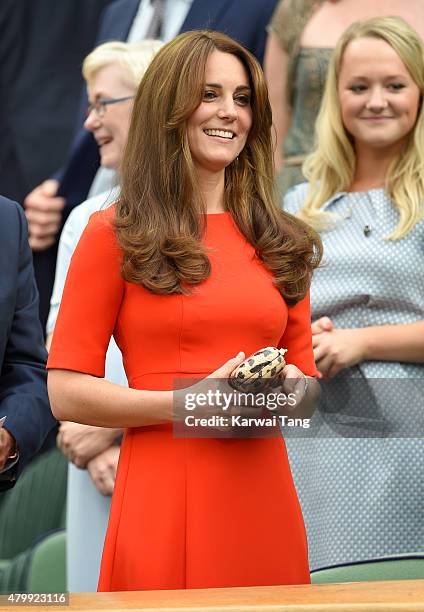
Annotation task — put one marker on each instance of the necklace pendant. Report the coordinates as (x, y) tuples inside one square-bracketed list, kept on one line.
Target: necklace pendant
[(348, 213)]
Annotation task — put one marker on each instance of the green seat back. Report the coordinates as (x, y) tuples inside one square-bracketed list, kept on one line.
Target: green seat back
[(408, 567), (47, 572), (14, 573), (35, 505)]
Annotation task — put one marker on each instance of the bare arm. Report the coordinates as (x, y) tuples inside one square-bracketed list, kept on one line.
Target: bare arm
[(83, 398), (49, 338), (86, 399), (403, 342), (276, 74), (335, 349)]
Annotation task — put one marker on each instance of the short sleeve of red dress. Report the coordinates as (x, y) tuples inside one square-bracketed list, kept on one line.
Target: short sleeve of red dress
[(91, 300), (297, 337)]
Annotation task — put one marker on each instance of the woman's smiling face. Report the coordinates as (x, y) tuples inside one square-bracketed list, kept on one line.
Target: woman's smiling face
[(110, 128), (217, 131), (379, 100)]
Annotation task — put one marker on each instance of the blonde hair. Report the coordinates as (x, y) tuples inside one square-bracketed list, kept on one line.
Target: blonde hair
[(330, 168), (133, 58)]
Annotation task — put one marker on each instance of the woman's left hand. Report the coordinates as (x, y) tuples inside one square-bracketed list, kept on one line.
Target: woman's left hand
[(337, 349), (305, 389), (294, 381)]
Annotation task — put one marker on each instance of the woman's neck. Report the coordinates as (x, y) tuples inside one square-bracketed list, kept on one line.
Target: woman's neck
[(372, 166), (212, 190)]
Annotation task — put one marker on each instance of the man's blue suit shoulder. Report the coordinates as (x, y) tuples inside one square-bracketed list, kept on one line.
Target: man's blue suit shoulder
[(23, 391)]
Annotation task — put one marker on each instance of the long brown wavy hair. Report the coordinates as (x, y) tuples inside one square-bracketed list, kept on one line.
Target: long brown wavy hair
[(158, 222)]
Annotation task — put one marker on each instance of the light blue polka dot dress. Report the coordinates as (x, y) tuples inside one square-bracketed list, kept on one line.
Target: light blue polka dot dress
[(360, 479)]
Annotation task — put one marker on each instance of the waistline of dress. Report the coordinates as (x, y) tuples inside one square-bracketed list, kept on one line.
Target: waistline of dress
[(166, 381)]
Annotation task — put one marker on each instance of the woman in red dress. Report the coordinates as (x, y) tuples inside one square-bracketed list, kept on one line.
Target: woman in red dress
[(194, 264)]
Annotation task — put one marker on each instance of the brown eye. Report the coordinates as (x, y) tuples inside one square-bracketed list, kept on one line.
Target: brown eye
[(243, 100), (209, 95)]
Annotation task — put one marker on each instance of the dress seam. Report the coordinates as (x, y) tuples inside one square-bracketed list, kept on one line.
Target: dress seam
[(185, 517), (120, 516), (203, 371), (185, 454), (181, 330), (118, 329)]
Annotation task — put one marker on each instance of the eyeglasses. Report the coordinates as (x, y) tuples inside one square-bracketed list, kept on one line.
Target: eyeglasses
[(100, 105)]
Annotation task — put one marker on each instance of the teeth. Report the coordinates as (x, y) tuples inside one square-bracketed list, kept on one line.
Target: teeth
[(221, 133)]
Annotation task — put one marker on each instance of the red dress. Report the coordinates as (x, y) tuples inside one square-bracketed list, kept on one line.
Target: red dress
[(189, 513)]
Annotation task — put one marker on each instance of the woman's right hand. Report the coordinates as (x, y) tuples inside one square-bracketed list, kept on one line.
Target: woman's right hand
[(202, 399), (225, 370)]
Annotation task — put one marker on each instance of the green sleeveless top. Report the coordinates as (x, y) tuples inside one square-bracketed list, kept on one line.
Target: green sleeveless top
[(305, 84)]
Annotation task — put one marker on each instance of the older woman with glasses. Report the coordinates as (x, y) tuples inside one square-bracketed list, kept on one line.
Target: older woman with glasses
[(112, 72)]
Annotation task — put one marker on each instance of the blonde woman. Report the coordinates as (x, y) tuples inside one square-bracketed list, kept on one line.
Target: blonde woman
[(112, 72), (301, 38), (363, 498)]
